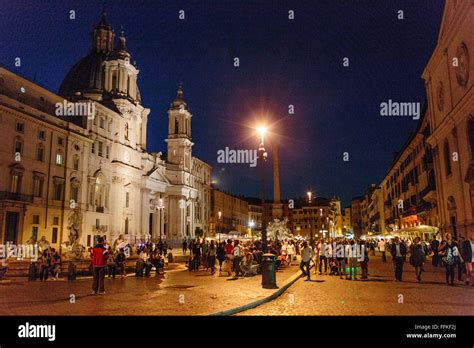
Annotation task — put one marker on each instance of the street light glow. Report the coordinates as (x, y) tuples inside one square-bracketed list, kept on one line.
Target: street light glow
[(262, 130)]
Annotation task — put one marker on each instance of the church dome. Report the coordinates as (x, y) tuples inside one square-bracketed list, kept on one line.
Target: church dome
[(85, 76)]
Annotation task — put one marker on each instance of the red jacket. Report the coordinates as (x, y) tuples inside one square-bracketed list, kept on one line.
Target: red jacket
[(99, 256), (228, 249)]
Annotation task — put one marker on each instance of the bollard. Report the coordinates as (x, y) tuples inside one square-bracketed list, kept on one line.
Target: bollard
[(71, 271), (139, 268), (269, 272)]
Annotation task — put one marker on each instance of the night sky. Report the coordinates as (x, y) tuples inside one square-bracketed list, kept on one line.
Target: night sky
[(282, 62)]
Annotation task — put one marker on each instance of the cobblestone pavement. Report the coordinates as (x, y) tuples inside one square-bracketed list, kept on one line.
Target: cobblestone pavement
[(179, 292), (380, 295)]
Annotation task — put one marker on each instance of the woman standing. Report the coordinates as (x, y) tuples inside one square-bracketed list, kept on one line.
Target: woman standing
[(417, 257), (290, 252), (448, 250), (220, 253), (467, 253)]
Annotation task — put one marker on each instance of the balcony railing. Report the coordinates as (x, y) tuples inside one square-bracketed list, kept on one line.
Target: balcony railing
[(11, 196)]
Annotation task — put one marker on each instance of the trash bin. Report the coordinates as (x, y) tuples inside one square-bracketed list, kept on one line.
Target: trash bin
[(269, 271), (139, 268), (32, 272), (71, 271)]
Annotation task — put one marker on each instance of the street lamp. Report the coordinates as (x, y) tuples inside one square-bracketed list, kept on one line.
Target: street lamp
[(251, 225), (262, 156), (160, 207), (310, 194), (268, 262), (219, 226)]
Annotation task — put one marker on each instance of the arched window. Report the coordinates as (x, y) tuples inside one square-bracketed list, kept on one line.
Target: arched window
[(447, 158), (470, 135), (99, 193)]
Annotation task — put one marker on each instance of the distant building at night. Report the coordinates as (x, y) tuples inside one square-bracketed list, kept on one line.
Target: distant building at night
[(303, 215), (356, 218), (234, 214)]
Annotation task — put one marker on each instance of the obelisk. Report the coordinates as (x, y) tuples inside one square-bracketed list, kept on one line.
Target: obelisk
[(277, 206)]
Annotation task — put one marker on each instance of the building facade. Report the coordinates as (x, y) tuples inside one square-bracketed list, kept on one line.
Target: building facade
[(234, 214), (409, 188), (356, 215), (307, 219), (449, 87), (81, 176)]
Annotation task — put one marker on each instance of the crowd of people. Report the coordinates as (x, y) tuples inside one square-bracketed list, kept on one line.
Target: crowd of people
[(343, 257)]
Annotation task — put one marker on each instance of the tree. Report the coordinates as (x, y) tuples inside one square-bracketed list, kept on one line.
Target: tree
[(278, 230)]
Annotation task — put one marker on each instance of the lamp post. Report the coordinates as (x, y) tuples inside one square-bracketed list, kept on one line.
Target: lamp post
[(251, 225), (268, 261), (311, 240), (160, 207), (262, 156)]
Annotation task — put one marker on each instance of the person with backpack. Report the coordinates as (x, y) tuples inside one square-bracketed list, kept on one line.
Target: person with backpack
[(99, 264), (417, 257), (449, 251)]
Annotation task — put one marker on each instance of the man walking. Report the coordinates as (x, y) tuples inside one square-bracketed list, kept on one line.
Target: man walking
[(322, 257), (237, 258), (99, 263), (467, 254), (381, 246), (306, 256), (398, 251), (185, 246)]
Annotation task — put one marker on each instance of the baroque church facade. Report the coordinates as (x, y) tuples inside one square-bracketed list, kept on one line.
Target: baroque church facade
[(449, 77), (71, 179)]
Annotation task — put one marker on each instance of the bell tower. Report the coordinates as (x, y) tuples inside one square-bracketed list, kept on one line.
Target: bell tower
[(103, 36), (179, 132)]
